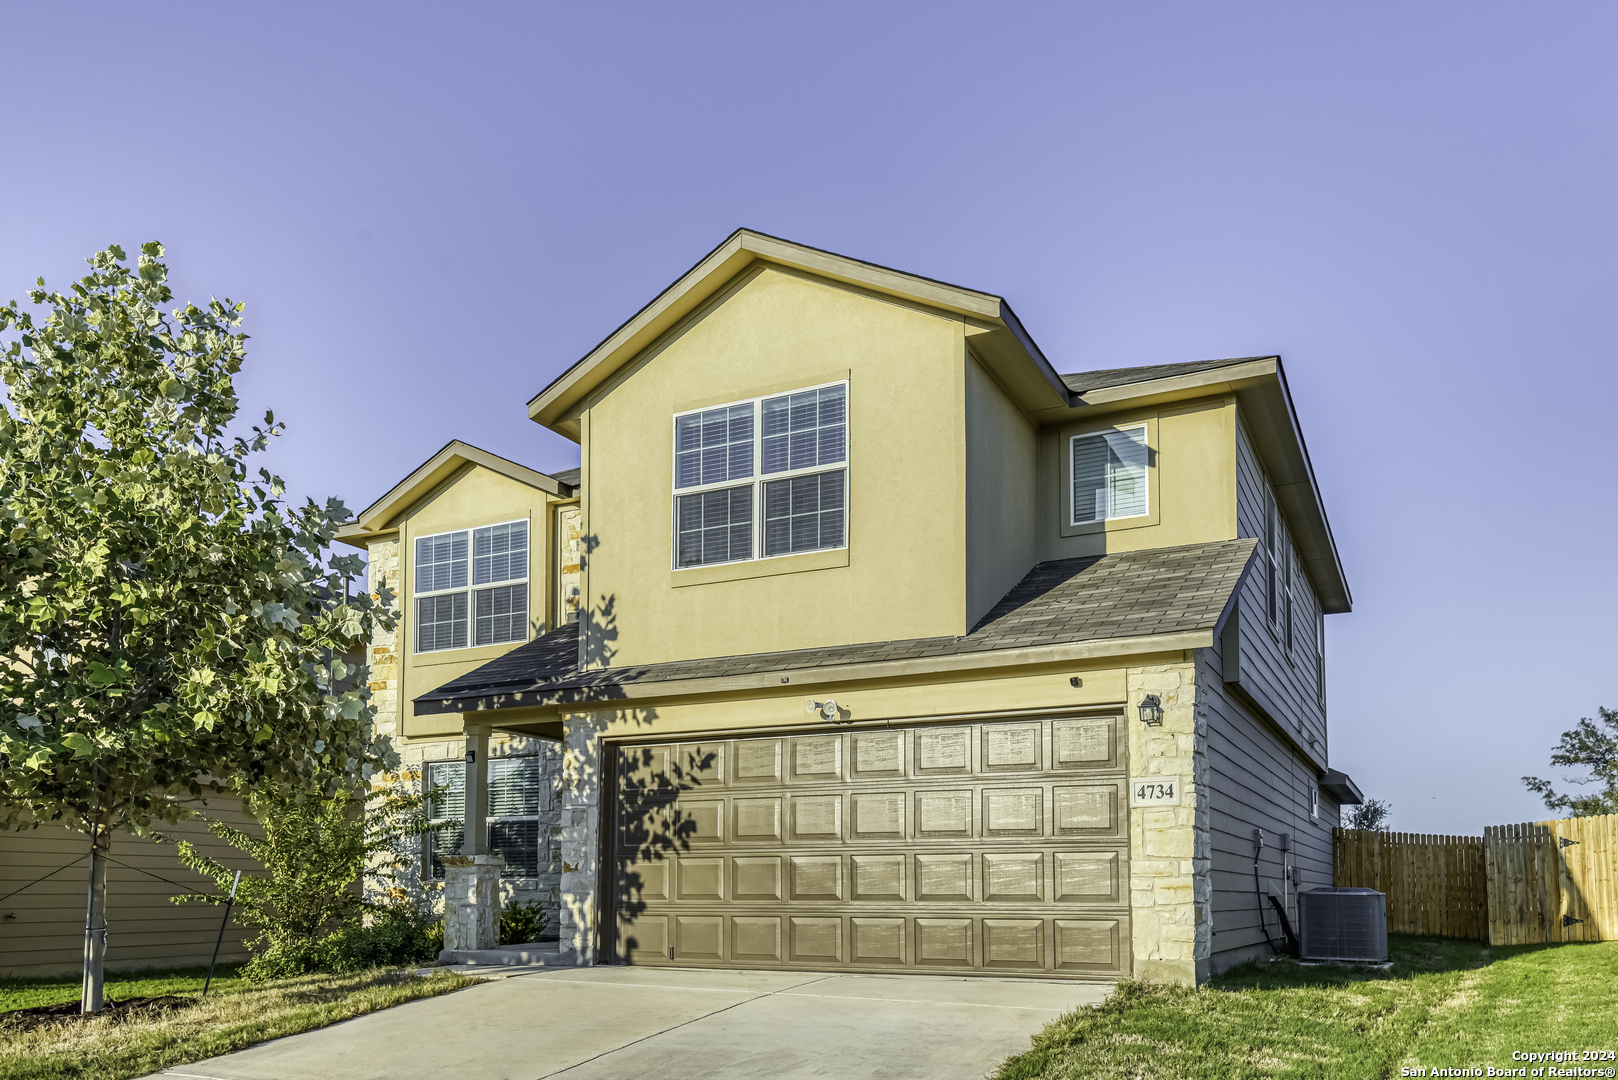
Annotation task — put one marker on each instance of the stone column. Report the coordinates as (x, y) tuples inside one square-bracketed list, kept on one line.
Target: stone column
[(581, 812), (471, 903), (1170, 847)]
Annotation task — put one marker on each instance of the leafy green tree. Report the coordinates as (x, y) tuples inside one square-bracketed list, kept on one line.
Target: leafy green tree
[(1371, 815), (167, 625), (1592, 748)]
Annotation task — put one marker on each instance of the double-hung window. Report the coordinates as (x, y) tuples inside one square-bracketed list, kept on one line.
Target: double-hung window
[(513, 814), (472, 587), (1108, 471), (762, 478)]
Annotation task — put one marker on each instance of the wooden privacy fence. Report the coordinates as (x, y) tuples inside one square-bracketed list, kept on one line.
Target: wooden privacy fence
[(1537, 882), (1551, 881), (1435, 884)]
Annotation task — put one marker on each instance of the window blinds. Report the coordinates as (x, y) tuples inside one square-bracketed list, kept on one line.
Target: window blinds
[(806, 430), (804, 513), (513, 809), (716, 526), (1109, 475), (441, 562), (500, 553), (714, 446)]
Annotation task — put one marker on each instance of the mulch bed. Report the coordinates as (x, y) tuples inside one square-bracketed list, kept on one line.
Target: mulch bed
[(68, 1011)]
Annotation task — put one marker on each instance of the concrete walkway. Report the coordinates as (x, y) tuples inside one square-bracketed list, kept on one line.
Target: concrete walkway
[(674, 1024)]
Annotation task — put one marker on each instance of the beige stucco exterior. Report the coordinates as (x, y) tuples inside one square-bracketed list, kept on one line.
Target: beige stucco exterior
[(902, 573)]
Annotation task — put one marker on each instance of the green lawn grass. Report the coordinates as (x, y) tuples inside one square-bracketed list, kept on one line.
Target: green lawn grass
[(111, 1048), (1444, 1004), (25, 993)]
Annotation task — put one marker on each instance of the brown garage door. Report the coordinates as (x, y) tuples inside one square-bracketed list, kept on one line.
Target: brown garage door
[(991, 848)]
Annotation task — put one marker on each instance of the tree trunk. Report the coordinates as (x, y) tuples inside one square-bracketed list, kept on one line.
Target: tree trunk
[(95, 922)]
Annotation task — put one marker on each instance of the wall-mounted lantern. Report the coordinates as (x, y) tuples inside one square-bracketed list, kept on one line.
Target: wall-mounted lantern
[(1151, 710)]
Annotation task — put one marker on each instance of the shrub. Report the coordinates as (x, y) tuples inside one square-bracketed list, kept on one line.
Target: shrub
[(521, 923), (305, 907)]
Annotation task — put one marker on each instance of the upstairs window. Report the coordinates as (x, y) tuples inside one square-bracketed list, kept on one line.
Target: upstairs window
[(472, 587), (1109, 475), (762, 478)]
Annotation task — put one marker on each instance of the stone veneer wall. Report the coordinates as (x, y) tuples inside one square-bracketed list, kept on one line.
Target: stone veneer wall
[(580, 837), (415, 753), (1171, 850)]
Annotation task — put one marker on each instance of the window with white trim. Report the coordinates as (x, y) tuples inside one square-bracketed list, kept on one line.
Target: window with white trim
[(472, 587), (513, 815), (764, 463), (1108, 473)]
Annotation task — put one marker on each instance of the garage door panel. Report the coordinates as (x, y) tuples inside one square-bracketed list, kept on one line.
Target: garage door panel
[(699, 937), (880, 877), (980, 848), (644, 881), (1013, 812), (1088, 877), (944, 877), (644, 939), (701, 878), (644, 771), (756, 938), (1088, 809), (1087, 743), (945, 943), (945, 751), (1013, 877), (877, 755), (943, 814), (878, 815), (816, 877), (817, 759), (817, 818), (816, 939), (756, 820), (699, 765), (878, 941), (756, 877), (1014, 943), (757, 762), (1012, 747), (1090, 945)]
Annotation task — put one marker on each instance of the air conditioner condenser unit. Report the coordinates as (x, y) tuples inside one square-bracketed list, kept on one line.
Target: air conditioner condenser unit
[(1343, 924)]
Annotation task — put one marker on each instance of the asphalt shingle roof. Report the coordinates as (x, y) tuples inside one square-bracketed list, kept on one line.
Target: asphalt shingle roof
[(1124, 595), (570, 477), (1082, 382)]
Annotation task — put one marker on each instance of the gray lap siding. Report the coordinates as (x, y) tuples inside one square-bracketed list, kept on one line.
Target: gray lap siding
[(1255, 781), (1287, 684)]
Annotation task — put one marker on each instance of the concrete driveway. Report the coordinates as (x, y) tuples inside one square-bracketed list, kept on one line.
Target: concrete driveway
[(671, 1024)]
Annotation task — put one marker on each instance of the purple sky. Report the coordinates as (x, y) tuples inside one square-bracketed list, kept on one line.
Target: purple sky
[(431, 210)]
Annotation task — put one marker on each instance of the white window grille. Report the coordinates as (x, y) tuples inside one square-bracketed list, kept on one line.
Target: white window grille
[(780, 448), (1108, 473), (472, 587), (513, 815)]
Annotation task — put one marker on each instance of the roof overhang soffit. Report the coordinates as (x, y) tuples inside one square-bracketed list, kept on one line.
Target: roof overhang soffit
[(997, 336)]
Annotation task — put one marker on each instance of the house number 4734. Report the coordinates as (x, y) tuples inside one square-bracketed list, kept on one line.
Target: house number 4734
[(1159, 791)]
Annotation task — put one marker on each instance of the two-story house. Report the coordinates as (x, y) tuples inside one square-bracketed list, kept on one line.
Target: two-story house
[(898, 650)]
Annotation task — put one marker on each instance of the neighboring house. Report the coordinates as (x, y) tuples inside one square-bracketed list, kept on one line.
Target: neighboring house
[(482, 556), (898, 650), (44, 875)]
